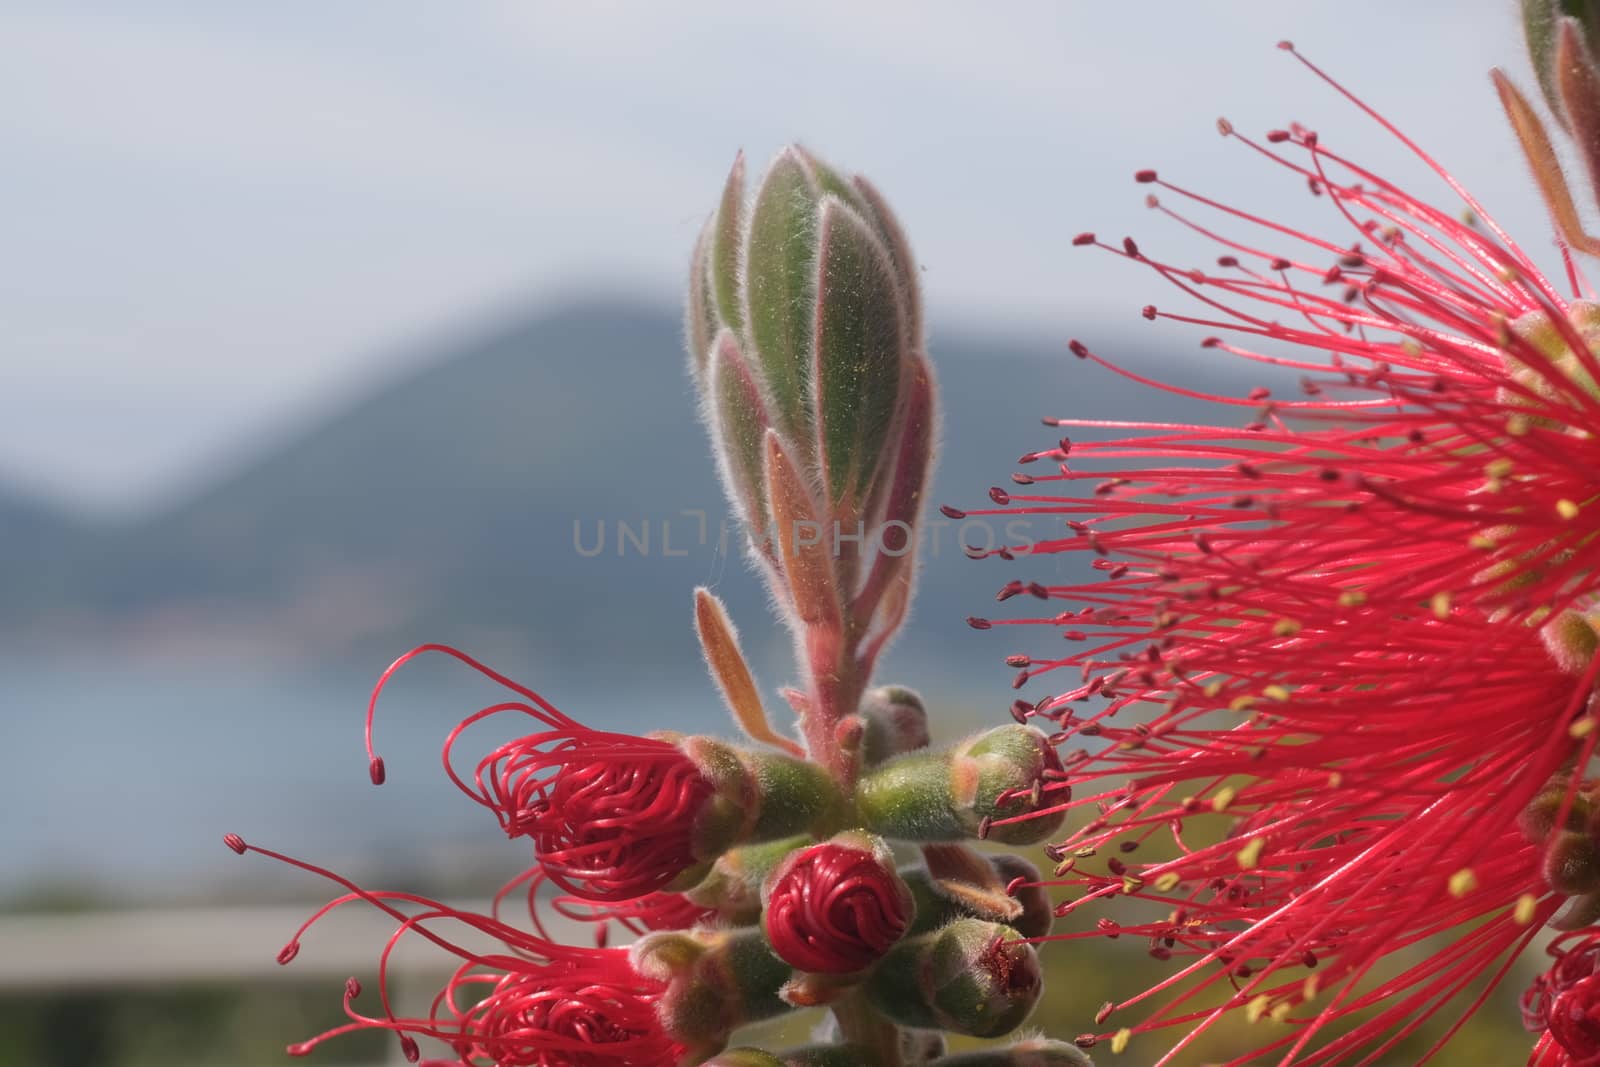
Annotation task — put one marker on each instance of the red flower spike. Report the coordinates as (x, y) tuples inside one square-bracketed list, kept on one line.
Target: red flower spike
[(611, 816), (1330, 618), (529, 1003), (837, 907)]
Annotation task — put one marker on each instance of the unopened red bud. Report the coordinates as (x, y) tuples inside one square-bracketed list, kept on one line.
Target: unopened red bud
[(837, 907)]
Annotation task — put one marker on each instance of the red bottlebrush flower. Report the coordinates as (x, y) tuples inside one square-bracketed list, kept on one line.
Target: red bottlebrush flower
[(611, 816), (1563, 1005), (837, 907), (528, 1003), (1355, 627)]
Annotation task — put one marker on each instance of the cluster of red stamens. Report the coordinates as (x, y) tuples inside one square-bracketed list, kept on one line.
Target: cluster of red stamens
[(610, 817), (1321, 644)]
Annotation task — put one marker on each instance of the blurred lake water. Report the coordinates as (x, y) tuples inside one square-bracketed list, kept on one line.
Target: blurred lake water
[(122, 776)]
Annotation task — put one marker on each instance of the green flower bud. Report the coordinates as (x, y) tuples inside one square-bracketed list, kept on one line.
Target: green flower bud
[(733, 887), (810, 1056), (1572, 863), (756, 796), (966, 791), (717, 980), (970, 977), (1036, 1052), (895, 723), (1538, 819)]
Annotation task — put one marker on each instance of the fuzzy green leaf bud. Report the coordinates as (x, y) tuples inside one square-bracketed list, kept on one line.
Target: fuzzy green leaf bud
[(965, 791), (717, 980), (970, 977), (804, 326)]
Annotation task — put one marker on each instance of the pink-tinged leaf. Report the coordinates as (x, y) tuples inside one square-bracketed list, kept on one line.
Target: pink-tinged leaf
[(700, 313), (720, 643), (1544, 163), (725, 247), (893, 562), (804, 543), (831, 181), (739, 421), (905, 265), (1579, 85), (859, 354)]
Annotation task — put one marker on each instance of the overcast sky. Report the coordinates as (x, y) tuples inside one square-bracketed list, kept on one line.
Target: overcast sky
[(219, 217)]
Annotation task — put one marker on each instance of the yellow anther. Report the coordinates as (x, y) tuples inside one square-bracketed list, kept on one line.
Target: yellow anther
[(1241, 703), (1463, 882), (1257, 1007), (1166, 883), (1352, 598), (1224, 797), (1276, 692), (1132, 883), (1566, 509), (1441, 605), (1481, 541), (1498, 468), (1335, 779), (1250, 855), (1285, 628), (1581, 727), (1212, 689), (1311, 987), (1119, 1040), (1518, 425), (1280, 1011), (1527, 906)]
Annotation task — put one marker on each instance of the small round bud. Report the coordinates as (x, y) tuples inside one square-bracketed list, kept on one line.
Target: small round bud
[(970, 977), (1572, 864), (896, 723), (837, 907)]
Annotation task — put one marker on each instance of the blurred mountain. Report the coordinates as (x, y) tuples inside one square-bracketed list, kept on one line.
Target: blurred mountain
[(536, 493)]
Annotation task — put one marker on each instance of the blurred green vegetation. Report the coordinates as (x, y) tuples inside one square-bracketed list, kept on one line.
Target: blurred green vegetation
[(238, 1025)]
